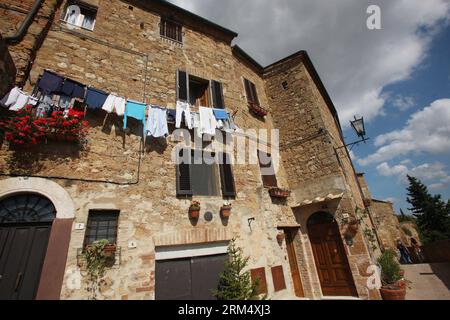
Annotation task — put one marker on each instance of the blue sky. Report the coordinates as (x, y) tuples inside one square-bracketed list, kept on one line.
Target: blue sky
[(398, 77), (429, 82)]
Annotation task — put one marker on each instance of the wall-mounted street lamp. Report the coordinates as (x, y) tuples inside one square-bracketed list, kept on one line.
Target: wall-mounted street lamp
[(360, 129)]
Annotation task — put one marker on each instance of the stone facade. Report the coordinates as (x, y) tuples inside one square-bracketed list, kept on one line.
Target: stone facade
[(126, 55)]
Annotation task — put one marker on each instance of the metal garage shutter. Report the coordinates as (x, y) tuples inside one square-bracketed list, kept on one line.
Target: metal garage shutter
[(191, 278)]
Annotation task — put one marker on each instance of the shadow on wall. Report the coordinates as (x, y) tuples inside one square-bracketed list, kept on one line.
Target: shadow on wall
[(7, 69), (442, 271)]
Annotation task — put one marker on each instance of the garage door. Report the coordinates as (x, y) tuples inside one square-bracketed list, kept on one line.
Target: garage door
[(189, 278)]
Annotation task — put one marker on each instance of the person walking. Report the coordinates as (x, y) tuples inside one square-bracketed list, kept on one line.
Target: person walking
[(404, 254), (417, 250)]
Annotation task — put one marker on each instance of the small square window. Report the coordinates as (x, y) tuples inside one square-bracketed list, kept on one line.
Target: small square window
[(101, 225), (80, 14), (171, 30)]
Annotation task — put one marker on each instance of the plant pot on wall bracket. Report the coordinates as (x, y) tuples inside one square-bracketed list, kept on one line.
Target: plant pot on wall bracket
[(259, 111), (194, 210), (279, 193), (280, 237), (225, 211), (352, 229)]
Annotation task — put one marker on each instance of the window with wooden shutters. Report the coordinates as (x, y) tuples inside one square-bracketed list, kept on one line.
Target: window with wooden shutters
[(250, 91), (171, 30), (217, 95), (267, 170), (226, 176), (182, 86), (101, 225), (184, 186)]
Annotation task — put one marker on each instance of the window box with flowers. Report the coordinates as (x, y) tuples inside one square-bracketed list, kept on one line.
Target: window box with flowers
[(258, 110), (279, 193), (23, 130)]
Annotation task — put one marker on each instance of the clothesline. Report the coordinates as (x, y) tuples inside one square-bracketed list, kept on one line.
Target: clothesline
[(70, 94)]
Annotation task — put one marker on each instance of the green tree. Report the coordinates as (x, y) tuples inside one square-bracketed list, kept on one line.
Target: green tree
[(234, 283), (432, 213)]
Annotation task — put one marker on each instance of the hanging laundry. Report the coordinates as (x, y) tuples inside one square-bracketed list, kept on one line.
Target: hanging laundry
[(208, 122), (43, 110), (171, 115), (95, 98), (183, 108), (50, 82), (115, 104), (135, 110), (157, 122), (65, 102), (16, 99), (73, 89), (220, 114), (10, 97), (195, 120)]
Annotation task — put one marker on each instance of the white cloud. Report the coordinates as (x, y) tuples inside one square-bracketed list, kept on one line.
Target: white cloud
[(427, 131), (391, 199), (354, 63), (433, 174), (403, 103)]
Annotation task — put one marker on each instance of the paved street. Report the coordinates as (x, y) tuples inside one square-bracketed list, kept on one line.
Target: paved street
[(429, 281)]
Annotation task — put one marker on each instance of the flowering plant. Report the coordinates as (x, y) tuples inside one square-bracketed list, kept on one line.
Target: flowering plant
[(21, 129), (24, 130), (195, 205)]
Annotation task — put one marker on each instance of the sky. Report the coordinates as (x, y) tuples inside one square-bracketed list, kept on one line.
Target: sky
[(397, 78)]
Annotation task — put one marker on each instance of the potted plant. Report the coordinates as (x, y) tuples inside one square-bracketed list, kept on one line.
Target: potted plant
[(194, 210), (280, 237), (391, 288), (225, 210), (352, 227), (279, 193)]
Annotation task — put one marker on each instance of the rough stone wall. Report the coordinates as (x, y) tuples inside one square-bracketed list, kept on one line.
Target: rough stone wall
[(150, 212), (387, 223), (12, 14), (310, 163), (7, 69)]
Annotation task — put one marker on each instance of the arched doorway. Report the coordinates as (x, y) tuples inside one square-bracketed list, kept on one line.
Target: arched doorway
[(329, 255), (25, 225)]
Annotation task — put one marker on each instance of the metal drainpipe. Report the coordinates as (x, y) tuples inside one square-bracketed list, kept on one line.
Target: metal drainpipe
[(17, 37)]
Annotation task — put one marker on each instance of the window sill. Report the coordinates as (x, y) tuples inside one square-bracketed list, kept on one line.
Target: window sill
[(172, 41), (74, 26)]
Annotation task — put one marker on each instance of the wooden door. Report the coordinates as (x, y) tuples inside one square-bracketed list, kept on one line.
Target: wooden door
[(22, 253), (290, 247), (331, 260)]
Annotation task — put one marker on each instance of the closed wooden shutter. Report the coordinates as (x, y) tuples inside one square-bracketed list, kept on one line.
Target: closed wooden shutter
[(278, 278), (248, 91), (260, 276), (268, 172), (226, 176), (184, 185), (254, 93), (217, 95), (182, 86)]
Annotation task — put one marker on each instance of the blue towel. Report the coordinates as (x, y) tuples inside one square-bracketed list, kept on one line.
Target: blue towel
[(135, 110), (50, 82), (220, 114), (95, 98)]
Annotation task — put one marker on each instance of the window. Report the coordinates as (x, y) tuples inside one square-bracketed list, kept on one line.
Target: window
[(80, 14), (199, 92), (250, 91), (101, 225), (195, 176), (171, 30), (267, 170)]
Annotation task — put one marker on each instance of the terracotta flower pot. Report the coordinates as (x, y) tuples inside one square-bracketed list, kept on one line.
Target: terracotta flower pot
[(259, 111), (280, 237), (352, 229), (393, 292), (194, 213), (110, 250), (225, 211), (279, 193)]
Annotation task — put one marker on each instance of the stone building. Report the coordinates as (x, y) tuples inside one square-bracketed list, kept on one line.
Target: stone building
[(128, 191)]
